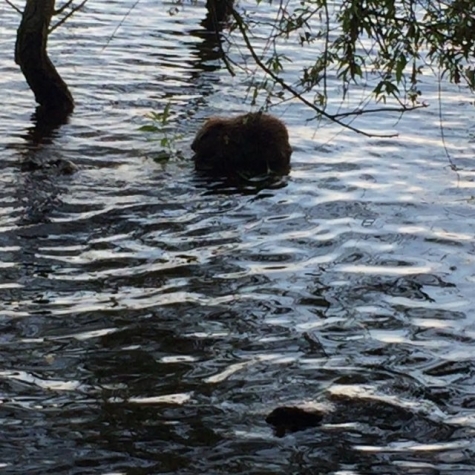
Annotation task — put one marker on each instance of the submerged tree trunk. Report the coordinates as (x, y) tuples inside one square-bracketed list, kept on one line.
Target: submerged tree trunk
[(50, 91)]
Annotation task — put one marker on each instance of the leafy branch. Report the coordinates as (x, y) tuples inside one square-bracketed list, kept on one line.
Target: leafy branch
[(296, 94), (161, 126), (386, 45)]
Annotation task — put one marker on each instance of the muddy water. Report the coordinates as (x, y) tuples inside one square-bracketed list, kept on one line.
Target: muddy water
[(151, 319)]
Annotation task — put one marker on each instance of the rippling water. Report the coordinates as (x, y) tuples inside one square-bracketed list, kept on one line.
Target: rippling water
[(150, 320)]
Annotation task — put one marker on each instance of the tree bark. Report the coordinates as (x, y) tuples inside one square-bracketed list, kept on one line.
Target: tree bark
[(50, 91)]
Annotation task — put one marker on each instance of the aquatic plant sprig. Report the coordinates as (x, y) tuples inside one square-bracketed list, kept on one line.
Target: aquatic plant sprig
[(161, 126)]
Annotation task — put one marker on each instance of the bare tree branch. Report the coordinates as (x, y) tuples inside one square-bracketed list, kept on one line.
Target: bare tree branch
[(120, 24), (61, 9), (71, 13), (14, 7), (401, 109)]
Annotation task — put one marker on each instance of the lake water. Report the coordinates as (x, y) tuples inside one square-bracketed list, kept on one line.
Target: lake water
[(150, 319)]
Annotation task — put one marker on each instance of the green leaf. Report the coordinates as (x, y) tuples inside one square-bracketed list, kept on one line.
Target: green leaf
[(149, 128), (400, 66), (162, 156)]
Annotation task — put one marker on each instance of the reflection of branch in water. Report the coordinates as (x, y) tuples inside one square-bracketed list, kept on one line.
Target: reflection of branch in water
[(206, 59), (217, 16), (39, 191), (210, 54), (46, 123), (209, 50)]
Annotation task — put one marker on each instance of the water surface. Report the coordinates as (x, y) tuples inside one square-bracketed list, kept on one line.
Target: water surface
[(150, 319)]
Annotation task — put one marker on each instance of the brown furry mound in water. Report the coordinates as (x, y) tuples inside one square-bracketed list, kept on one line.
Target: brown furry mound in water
[(253, 143)]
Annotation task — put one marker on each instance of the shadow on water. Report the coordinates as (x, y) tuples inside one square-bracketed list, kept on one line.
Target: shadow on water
[(209, 51), (217, 15), (39, 189), (46, 125), (229, 185), (38, 153)]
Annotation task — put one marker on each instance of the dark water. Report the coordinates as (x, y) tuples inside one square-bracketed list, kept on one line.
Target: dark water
[(151, 319)]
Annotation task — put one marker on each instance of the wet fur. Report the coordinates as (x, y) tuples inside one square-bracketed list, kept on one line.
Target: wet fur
[(253, 143)]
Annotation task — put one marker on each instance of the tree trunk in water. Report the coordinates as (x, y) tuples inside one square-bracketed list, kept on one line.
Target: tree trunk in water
[(50, 91)]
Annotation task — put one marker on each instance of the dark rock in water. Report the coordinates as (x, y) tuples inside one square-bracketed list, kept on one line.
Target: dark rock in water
[(253, 144), (292, 419)]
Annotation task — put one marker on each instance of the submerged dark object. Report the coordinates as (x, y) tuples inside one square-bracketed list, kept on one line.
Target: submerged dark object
[(254, 144), (363, 414), (292, 419), (58, 166)]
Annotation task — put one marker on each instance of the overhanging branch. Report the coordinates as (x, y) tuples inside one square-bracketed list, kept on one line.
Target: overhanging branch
[(332, 117)]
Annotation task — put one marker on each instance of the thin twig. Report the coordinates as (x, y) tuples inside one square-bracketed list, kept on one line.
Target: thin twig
[(61, 9), (71, 13), (120, 24), (382, 109), (325, 53), (452, 165), (14, 7)]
